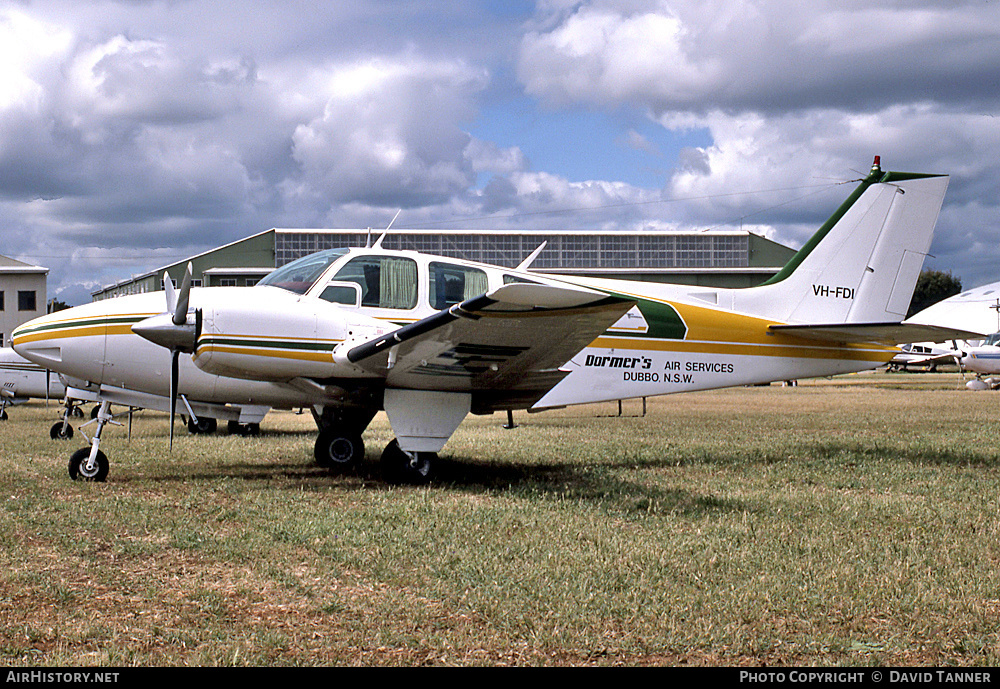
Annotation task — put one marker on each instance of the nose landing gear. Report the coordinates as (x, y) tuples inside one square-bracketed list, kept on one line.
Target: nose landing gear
[(89, 463)]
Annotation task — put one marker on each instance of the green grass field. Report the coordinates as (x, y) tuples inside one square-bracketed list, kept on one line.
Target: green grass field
[(851, 521)]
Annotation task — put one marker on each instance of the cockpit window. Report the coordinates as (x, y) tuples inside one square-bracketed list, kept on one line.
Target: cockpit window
[(452, 284), (299, 275), (993, 339), (387, 282)]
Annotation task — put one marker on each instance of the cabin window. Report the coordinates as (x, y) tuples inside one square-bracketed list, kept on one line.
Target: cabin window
[(509, 279), (387, 282), (451, 284)]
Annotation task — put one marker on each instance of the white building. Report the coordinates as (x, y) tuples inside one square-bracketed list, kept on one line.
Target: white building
[(22, 294)]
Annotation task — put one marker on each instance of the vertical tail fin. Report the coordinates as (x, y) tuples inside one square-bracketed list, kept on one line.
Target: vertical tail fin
[(862, 264)]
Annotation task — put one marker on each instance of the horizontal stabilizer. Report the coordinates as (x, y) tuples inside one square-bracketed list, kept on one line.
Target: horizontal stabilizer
[(880, 333)]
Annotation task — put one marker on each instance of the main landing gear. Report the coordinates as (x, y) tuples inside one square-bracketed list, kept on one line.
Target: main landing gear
[(340, 448), (343, 451), (399, 466), (61, 430)]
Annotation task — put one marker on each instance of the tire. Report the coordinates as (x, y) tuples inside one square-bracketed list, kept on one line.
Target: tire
[(205, 424), (398, 468), (245, 430), (339, 451), (57, 433), (77, 466)]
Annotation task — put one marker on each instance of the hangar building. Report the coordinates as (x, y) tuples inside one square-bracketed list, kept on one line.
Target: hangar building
[(22, 294), (711, 259)]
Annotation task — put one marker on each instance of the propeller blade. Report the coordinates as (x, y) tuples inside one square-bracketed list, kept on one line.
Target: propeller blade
[(174, 357), (168, 287), (181, 309)]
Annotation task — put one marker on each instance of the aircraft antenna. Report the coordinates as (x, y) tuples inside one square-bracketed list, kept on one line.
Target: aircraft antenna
[(378, 244)]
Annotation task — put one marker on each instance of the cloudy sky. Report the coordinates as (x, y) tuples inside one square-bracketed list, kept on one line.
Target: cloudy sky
[(134, 133)]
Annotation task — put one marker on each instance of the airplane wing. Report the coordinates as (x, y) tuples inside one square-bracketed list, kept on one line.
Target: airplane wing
[(933, 359), (506, 347), (879, 333)]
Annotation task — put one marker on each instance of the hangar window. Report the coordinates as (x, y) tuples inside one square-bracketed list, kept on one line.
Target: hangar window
[(1, 300)]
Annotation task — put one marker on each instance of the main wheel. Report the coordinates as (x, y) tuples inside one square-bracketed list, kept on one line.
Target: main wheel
[(61, 431), (243, 429), (3, 415), (399, 467), (78, 466), (95, 410), (339, 451), (205, 424)]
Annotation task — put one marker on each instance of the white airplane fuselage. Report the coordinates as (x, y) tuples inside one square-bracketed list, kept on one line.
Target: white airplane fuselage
[(21, 379), (983, 359)]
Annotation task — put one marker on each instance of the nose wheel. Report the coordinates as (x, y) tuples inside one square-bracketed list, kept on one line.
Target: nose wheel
[(81, 468)]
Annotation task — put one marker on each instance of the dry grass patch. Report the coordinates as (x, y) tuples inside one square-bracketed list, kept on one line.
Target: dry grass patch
[(851, 521)]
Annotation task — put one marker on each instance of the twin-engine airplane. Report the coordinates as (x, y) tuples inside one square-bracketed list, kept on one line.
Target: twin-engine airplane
[(21, 380), (429, 339)]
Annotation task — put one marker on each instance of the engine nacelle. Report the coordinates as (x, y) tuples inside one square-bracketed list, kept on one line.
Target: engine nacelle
[(277, 336)]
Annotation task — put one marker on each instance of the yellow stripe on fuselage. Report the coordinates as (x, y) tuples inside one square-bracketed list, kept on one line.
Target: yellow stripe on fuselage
[(96, 326), (300, 355)]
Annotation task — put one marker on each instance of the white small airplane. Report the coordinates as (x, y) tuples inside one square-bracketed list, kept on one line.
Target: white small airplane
[(924, 354), (976, 309), (984, 358), (430, 339), (21, 380)]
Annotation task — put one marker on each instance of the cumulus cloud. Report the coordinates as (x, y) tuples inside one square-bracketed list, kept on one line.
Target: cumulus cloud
[(792, 95), (390, 133), (764, 56), (146, 131)]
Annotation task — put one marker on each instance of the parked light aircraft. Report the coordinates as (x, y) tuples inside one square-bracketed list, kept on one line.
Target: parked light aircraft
[(984, 358), (977, 309), (430, 339), (924, 354), (21, 380)]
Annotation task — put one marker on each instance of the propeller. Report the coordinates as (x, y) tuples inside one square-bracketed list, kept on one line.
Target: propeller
[(173, 331)]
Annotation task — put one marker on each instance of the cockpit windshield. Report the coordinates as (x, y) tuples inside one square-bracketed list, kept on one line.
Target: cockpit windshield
[(299, 275), (993, 339)]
